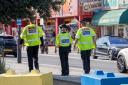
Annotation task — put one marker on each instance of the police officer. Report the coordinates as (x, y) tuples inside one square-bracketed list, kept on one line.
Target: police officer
[(63, 41), (85, 39), (31, 35)]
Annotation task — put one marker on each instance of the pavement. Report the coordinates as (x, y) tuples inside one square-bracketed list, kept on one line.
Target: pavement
[(74, 76), (22, 68)]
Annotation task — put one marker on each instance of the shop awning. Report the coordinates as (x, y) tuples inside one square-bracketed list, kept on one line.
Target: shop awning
[(113, 17)]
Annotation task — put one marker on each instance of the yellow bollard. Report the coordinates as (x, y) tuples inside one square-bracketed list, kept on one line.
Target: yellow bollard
[(35, 72), (33, 78), (10, 72)]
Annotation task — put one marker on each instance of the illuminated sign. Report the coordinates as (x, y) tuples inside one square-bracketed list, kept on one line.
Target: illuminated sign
[(90, 6)]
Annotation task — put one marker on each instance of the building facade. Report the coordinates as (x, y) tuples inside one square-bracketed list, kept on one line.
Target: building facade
[(112, 18), (71, 12)]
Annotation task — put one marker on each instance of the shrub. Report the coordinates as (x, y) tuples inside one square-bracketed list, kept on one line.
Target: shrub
[(2, 66)]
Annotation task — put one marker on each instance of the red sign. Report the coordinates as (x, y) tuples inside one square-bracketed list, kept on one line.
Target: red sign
[(88, 14)]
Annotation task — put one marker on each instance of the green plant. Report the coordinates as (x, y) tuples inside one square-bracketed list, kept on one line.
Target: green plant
[(2, 66)]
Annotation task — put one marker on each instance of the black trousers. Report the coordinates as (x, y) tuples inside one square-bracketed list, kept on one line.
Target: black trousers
[(85, 56), (32, 53), (63, 53)]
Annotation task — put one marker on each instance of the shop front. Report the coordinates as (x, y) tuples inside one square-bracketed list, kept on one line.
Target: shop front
[(52, 27), (113, 23)]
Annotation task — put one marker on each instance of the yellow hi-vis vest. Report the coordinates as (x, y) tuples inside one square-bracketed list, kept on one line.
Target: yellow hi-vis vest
[(85, 39), (63, 39), (31, 35)]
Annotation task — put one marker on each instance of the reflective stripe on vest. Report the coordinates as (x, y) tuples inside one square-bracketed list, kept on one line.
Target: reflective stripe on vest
[(65, 40), (33, 40), (85, 43), (32, 31)]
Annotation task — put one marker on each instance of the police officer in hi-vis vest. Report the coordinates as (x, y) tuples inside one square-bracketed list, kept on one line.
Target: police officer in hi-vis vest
[(31, 35), (85, 39), (63, 41)]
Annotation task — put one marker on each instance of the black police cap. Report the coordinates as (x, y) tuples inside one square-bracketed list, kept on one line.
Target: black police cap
[(64, 26)]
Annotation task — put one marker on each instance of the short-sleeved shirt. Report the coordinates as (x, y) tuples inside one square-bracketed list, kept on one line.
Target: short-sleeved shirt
[(31, 35), (85, 38)]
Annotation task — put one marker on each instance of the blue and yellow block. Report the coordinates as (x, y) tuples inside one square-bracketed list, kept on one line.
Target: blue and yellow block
[(102, 78), (33, 78)]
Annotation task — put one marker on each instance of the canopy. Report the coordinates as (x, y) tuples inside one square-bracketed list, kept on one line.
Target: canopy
[(113, 17)]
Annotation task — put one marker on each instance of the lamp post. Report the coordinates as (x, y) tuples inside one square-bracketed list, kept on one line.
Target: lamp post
[(19, 22)]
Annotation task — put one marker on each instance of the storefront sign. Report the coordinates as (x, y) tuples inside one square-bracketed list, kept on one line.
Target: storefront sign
[(90, 6)]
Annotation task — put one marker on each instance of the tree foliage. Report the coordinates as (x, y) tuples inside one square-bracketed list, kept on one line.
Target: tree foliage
[(13, 9)]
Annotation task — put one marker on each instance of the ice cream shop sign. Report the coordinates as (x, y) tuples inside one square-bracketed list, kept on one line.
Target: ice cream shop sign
[(92, 5)]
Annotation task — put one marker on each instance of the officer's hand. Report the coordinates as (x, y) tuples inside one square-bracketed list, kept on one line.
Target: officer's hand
[(58, 46)]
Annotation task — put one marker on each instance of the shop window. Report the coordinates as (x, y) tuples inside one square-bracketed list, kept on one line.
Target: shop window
[(50, 35), (66, 22), (49, 23), (110, 31), (127, 31), (120, 32), (98, 31)]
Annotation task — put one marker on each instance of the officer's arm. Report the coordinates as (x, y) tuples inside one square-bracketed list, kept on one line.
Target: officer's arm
[(41, 32), (57, 41), (94, 36), (23, 33), (76, 40), (41, 39), (94, 40), (71, 40), (22, 36)]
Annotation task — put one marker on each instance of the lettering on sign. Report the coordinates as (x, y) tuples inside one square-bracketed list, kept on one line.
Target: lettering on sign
[(90, 6)]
